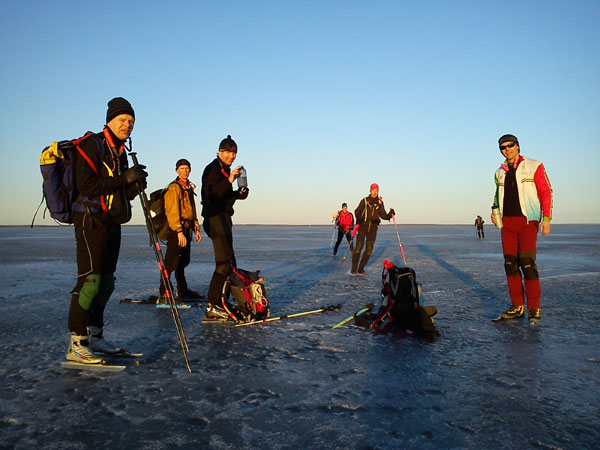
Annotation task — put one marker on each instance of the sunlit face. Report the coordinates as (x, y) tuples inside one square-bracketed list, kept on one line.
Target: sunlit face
[(227, 157), (122, 126), (184, 172), (510, 150), (374, 192), (344, 208)]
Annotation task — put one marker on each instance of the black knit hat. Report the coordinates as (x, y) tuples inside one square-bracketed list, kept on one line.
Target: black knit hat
[(182, 162), (344, 204), (228, 145), (118, 106), (508, 138)]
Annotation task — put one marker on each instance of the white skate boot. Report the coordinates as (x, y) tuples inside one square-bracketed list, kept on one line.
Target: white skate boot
[(80, 352)]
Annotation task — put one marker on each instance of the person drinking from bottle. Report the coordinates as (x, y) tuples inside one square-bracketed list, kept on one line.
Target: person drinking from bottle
[(106, 185), (218, 198), (368, 213), (524, 198)]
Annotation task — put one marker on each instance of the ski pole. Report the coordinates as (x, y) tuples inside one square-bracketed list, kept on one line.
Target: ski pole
[(289, 316), (354, 231), (399, 242), (155, 244), (369, 307)]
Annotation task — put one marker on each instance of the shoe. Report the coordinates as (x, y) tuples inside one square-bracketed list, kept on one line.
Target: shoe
[(514, 312), (215, 312), (361, 274), (97, 343), (79, 351), (353, 274), (534, 315), (189, 294)]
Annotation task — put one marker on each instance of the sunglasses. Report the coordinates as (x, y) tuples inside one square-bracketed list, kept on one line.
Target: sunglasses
[(509, 145)]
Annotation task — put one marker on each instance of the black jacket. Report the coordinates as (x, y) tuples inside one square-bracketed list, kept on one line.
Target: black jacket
[(218, 195), (98, 183), (371, 210)]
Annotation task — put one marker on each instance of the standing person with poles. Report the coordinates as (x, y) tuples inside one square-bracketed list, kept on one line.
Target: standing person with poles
[(524, 198), (344, 221), (369, 213), (479, 227), (218, 198), (180, 209), (105, 185)]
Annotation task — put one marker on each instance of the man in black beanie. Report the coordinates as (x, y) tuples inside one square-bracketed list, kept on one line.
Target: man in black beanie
[(106, 185), (180, 209), (218, 198)]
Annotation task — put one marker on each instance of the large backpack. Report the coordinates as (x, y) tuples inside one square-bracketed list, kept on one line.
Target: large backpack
[(59, 188), (249, 291), (400, 312), (156, 205)]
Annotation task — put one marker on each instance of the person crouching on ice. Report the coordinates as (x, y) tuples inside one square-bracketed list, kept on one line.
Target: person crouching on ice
[(368, 213), (218, 198), (524, 196)]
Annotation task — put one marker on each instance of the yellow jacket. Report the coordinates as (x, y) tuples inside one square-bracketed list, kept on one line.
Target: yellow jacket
[(180, 207)]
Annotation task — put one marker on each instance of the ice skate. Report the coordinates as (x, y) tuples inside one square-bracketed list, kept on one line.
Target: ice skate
[(97, 343), (534, 315), (80, 352)]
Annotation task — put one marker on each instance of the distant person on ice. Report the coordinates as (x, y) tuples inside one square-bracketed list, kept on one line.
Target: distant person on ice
[(180, 209), (524, 197), (218, 198), (102, 206), (344, 221), (479, 227), (368, 213)]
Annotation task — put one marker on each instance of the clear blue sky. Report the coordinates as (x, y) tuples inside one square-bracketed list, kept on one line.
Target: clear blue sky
[(323, 98)]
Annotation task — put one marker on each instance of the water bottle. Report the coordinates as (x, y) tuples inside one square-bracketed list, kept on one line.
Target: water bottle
[(242, 179), (497, 216)]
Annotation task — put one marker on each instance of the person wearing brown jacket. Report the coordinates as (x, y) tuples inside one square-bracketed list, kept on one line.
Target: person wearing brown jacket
[(180, 210)]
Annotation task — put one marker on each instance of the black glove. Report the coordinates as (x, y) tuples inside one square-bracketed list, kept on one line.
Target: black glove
[(392, 212), (132, 175), (243, 193)]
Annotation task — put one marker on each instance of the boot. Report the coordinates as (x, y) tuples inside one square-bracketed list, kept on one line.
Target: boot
[(97, 343), (80, 352)]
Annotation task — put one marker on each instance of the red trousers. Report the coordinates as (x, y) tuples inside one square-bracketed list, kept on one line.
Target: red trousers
[(519, 240)]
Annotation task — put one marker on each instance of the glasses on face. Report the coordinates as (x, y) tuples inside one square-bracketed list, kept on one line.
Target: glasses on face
[(509, 145)]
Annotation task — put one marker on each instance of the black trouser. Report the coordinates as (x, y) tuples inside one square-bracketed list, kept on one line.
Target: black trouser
[(480, 232), (219, 229), (177, 258), (368, 231), (98, 243), (341, 234)]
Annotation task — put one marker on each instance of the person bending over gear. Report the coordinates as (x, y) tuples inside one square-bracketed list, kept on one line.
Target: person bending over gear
[(524, 197), (369, 213), (344, 221), (479, 227), (180, 209), (218, 198), (105, 185)]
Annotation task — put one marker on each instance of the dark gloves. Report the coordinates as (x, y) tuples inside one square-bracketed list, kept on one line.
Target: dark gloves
[(392, 212), (132, 175), (132, 190), (243, 193)]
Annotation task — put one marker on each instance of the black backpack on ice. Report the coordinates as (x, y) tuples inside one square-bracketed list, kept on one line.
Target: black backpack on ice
[(249, 291), (400, 312), (156, 206)]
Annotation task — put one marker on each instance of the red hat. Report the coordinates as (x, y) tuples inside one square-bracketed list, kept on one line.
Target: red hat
[(374, 186)]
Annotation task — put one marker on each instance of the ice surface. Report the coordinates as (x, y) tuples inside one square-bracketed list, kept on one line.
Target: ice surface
[(298, 384)]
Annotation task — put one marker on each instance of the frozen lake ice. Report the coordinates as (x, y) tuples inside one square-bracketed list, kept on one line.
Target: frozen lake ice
[(297, 383)]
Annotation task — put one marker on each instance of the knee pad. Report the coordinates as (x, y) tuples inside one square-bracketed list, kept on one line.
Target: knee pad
[(529, 268), (511, 265), (89, 290)]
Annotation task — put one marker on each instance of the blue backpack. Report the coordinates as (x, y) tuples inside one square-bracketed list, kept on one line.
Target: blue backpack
[(59, 189)]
